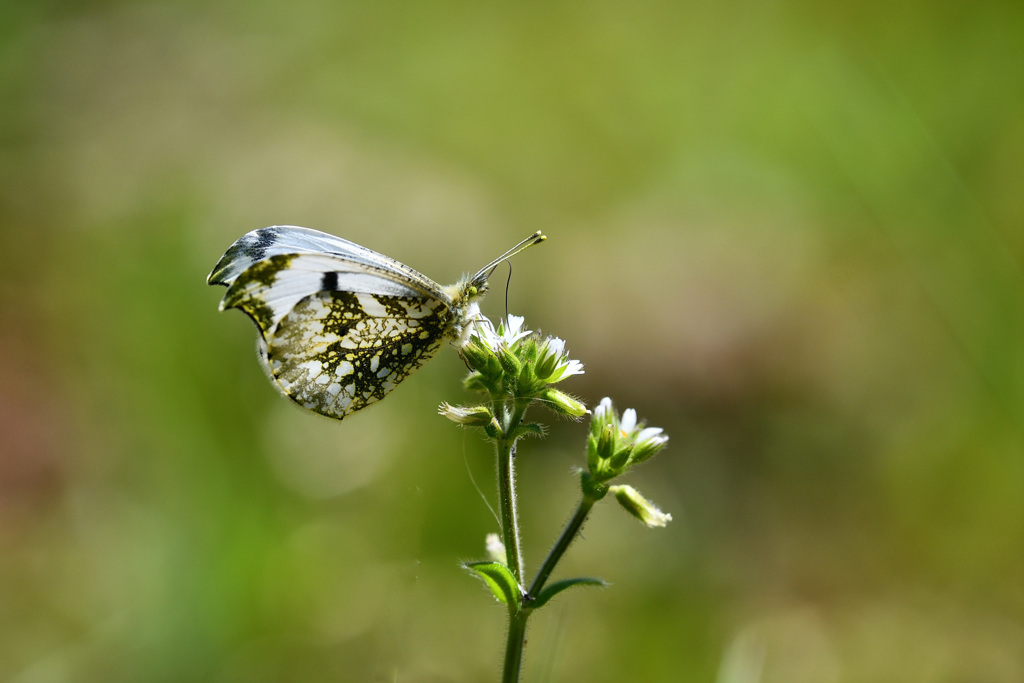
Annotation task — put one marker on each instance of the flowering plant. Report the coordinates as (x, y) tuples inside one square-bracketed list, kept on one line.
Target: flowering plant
[(514, 368)]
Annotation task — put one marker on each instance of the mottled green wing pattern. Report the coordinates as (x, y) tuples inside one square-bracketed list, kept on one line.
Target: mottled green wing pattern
[(251, 293), (337, 352)]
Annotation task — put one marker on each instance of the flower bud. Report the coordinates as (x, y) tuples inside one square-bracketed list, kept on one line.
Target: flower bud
[(606, 443), (638, 506), (553, 363), (526, 350), (467, 416), (648, 442), (619, 459), (496, 549), (593, 457), (549, 354), (509, 363), (603, 415), (563, 403), (619, 442), (475, 353)]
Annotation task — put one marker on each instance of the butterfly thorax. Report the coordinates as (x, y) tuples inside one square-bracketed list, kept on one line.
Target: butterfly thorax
[(465, 310)]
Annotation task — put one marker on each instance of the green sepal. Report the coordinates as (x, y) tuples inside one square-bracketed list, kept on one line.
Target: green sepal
[(527, 383), (499, 579), (476, 354), (562, 403), (592, 488), (526, 350), (606, 442), (557, 587), (620, 458), (467, 416), (593, 458), (509, 363), (544, 367), (638, 506)]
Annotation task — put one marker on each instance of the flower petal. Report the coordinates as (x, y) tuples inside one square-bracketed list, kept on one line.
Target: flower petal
[(650, 433), (628, 422)]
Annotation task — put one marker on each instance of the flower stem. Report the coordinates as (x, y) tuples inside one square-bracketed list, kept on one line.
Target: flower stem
[(514, 645), (513, 555), (506, 451), (505, 446), (517, 618), (562, 544), (507, 501)]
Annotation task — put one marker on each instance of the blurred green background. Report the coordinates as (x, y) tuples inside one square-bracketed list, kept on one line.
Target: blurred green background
[(790, 233)]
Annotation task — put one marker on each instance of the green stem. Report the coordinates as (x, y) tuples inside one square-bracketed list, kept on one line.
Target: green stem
[(517, 617), (507, 502), (562, 544), (506, 451), (514, 645)]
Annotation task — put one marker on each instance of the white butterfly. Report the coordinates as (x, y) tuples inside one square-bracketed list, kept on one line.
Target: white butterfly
[(340, 324)]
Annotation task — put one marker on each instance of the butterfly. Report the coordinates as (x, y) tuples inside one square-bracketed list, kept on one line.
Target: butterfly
[(341, 325)]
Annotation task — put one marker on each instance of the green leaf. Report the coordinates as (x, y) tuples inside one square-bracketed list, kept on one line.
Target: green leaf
[(529, 429), (558, 586), (499, 579)]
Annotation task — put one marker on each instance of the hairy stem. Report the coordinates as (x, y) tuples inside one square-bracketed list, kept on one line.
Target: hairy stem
[(506, 451), (512, 418), (514, 645), (562, 544), (507, 502)]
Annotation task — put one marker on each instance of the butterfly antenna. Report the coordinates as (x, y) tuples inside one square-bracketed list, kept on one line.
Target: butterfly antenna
[(485, 272), (508, 282)]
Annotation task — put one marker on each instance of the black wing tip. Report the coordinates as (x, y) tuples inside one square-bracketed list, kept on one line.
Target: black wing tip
[(252, 245), (214, 278)]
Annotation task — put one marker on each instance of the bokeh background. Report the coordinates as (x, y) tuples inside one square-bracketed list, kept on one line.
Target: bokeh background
[(790, 233)]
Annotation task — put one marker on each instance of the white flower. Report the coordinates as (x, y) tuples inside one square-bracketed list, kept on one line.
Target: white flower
[(512, 330), (619, 442), (651, 434), (641, 437), (648, 442), (628, 422), (507, 333), (553, 363)]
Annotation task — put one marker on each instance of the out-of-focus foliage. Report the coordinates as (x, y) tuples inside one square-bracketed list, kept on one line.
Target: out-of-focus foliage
[(790, 233)]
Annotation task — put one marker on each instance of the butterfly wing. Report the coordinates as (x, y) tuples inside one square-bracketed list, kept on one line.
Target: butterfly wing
[(337, 352), (341, 324), (265, 243)]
